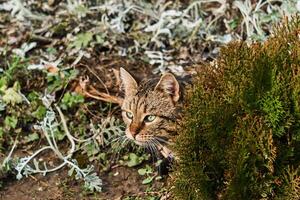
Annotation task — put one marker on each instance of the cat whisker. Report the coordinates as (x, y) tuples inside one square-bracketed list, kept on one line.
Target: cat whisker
[(161, 140), (126, 141), (160, 148), (158, 145), (153, 149), (156, 142), (118, 139), (148, 147)]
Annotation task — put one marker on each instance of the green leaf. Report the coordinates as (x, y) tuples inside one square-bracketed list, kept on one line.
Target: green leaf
[(103, 156), (100, 38), (147, 180), (11, 121), (51, 50), (16, 86), (142, 171), (81, 9), (59, 135), (134, 160), (3, 83), (33, 96), (40, 112), (60, 80), (1, 132), (233, 24), (71, 99), (11, 96), (82, 40), (146, 170), (32, 137), (158, 163)]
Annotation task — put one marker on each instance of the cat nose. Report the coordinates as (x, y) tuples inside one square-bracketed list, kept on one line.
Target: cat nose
[(134, 130)]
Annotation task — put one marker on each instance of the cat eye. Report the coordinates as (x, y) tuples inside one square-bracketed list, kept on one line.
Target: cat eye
[(129, 115), (150, 118)]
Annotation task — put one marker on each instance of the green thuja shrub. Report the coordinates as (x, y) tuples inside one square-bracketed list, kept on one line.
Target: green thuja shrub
[(240, 135)]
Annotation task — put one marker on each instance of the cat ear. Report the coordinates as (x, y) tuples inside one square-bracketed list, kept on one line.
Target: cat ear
[(169, 85), (128, 83)]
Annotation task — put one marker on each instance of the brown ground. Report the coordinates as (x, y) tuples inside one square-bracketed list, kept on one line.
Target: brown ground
[(119, 183)]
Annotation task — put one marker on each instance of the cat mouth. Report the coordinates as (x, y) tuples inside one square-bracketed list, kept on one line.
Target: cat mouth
[(137, 140)]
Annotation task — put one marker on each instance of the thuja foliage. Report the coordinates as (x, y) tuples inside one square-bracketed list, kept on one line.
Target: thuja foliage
[(240, 135)]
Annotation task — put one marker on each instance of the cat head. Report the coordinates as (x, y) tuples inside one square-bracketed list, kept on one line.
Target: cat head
[(149, 108)]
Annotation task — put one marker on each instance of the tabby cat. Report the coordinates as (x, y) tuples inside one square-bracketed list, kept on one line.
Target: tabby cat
[(150, 110)]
